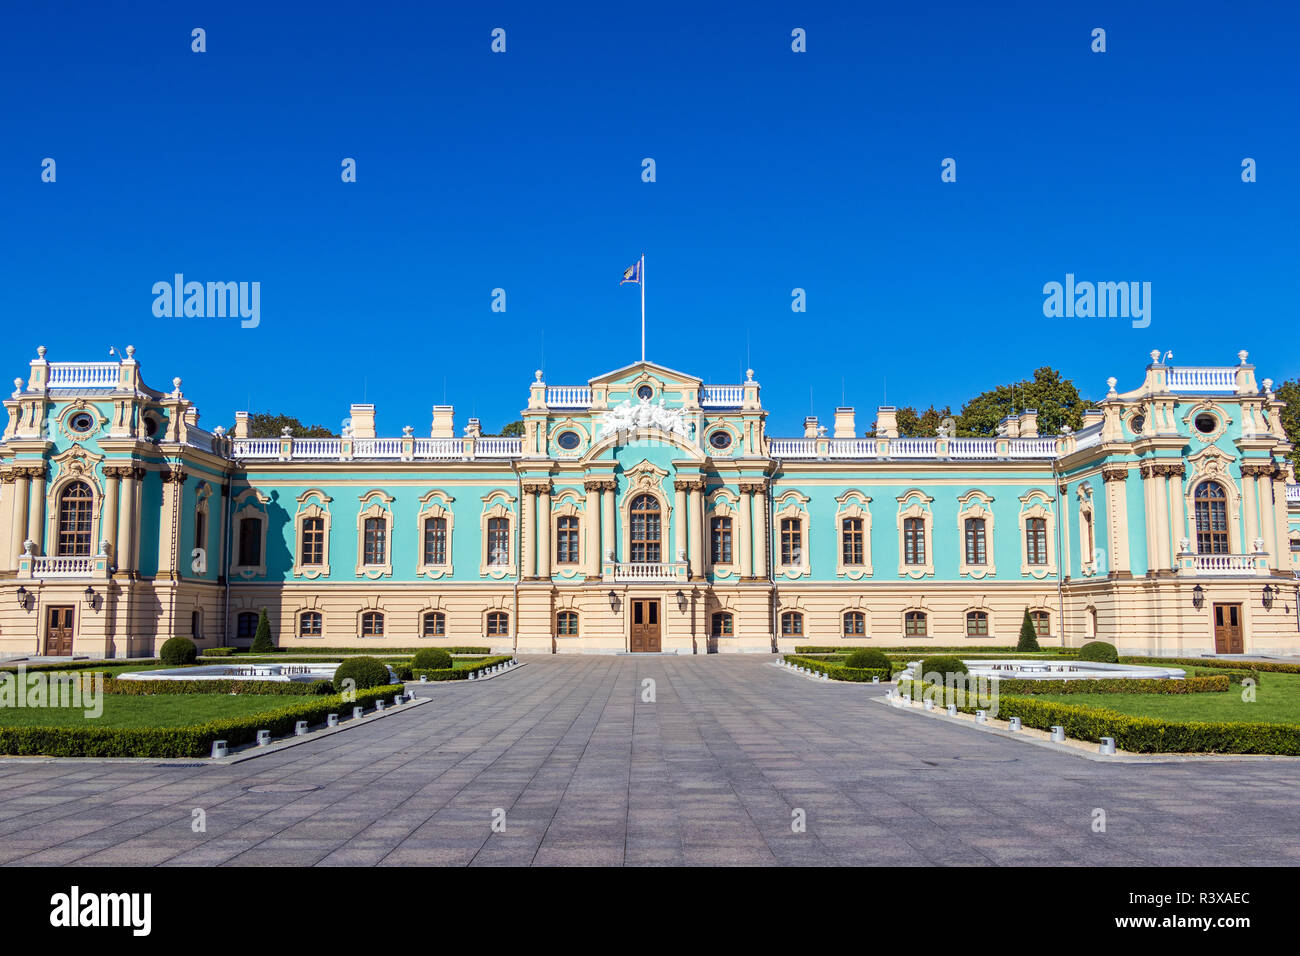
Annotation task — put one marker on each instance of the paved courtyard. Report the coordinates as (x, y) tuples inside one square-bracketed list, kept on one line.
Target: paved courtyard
[(710, 773)]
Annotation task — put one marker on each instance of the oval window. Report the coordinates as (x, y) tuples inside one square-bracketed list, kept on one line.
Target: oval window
[(82, 422), (720, 439), (1137, 423), (1206, 423), (568, 440), (645, 391)]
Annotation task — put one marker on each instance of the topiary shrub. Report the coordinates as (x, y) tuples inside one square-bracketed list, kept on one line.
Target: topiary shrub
[(1099, 651), (1028, 634), (404, 672), (262, 642), (178, 651), (321, 687), (867, 657), (365, 671), (431, 658), (943, 665)]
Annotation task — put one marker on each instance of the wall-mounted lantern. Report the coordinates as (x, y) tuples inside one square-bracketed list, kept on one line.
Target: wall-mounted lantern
[(681, 601), (613, 600), (90, 596), (1270, 593), (22, 597), (1198, 597)]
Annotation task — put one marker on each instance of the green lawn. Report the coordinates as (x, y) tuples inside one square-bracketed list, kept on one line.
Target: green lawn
[(171, 710), (1277, 700)]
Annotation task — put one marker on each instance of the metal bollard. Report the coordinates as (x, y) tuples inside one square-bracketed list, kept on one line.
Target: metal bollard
[(1107, 746), (1058, 734), (952, 710), (875, 680), (1014, 724), (263, 738), (981, 716), (397, 700), (473, 675), (331, 720), (357, 712), (424, 678), (300, 728), (927, 704), (219, 749), (379, 705)]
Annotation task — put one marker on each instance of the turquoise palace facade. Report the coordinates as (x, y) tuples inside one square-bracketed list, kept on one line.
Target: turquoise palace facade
[(646, 511)]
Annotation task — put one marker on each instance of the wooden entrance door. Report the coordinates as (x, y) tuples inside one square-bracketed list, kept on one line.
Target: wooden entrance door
[(1227, 629), (645, 626), (58, 631)]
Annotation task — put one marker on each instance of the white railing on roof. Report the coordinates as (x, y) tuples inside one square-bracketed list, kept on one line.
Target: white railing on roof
[(568, 396), (723, 396), (972, 448), (1293, 492), (83, 374), (1189, 379), (439, 448), (1033, 448), (913, 447), (377, 448), (793, 447), (498, 447), (317, 447), (852, 447), (256, 448)]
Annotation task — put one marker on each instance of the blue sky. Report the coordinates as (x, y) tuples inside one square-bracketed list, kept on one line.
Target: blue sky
[(522, 170)]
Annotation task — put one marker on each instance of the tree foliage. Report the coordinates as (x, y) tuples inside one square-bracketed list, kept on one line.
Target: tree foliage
[(1056, 399), (267, 425), (1289, 392), (924, 425)]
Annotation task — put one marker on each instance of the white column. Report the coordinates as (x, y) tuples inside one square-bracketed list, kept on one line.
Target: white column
[(528, 565), (591, 559), (36, 511), (19, 526), (697, 537), (679, 520), (746, 537), (544, 531)]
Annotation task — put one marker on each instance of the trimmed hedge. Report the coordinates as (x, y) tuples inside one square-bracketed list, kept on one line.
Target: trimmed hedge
[(372, 651), (922, 649), (254, 688), (364, 671), (178, 651), (100, 662), (941, 664), (431, 658), (1234, 677), (857, 675), (1099, 652), (451, 673), (868, 658), (1275, 667), (217, 652), (1116, 685), (192, 741)]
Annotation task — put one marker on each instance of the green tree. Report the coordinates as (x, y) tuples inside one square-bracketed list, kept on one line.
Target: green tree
[(1056, 399), (262, 642), (1289, 392), (266, 425), (924, 425), (1028, 634)]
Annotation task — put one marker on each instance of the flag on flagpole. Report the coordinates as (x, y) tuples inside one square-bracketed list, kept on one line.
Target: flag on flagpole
[(632, 273)]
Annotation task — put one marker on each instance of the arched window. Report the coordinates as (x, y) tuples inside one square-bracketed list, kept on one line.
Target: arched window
[(792, 541), (310, 624), (792, 624), (435, 540), (498, 534), (855, 624), (977, 624), (246, 625), (433, 624), (915, 624), (1211, 505), (914, 541), (851, 540), (372, 624), (646, 530), (76, 508), (1035, 540), (720, 625), (566, 623), (498, 624), (976, 551), (376, 540), (313, 541), (1042, 623)]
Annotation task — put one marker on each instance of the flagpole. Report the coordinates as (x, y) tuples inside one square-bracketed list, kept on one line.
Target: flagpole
[(643, 307)]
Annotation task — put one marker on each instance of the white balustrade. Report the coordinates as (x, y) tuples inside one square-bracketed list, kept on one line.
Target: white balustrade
[(1188, 379), (913, 448), (662, 571), (317, 447), (1225, 564), (1033, 448), (973, 448), (722, 396), (498, 447), (1293, 492), (83, 374), (377, 448), (256, 447), (439, 447), (793, 448), (568, 396), (62, 566), (852, 448)]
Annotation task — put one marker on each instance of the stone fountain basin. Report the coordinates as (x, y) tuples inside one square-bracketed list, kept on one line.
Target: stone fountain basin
[(268, 672), (1013, 669)]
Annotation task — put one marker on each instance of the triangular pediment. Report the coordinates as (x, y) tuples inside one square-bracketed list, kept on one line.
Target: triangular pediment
[(640, 370)]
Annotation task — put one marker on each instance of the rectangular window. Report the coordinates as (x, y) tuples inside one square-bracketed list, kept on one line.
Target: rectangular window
[(250, 542), (498, 532), (975, 552), (313, 541), (914, 541), (1036, 541), (791, 542), (852, 543), (566, 540), (435, 540), (376, 541), (200, 529), (721, 541)]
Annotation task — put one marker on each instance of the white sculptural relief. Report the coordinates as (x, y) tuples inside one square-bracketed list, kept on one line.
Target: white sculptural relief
[(626, 416)]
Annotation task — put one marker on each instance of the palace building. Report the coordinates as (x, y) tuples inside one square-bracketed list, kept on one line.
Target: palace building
[(646, 511)]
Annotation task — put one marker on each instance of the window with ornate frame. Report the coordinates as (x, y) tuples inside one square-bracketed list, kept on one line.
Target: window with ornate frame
[(435, 541), (915, 531), (854, 624), (311, 624), (498, 537), (916, 624), (1035, 541), (645, 530), (250, 541), (791, 624), (566, 623), (374, 535), (792, 542), (435, 526), (312, 523), (720, 542), (1037, 534), (853, 535), (568, 540), (76, 519), (851, 542), (791, 524), (721, 624), (977, 624), (499, 556), (313, 541), (976, 526), (976, 541), (1211, 516)]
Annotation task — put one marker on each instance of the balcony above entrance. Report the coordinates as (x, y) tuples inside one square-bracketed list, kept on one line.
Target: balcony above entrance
[(646, 573)]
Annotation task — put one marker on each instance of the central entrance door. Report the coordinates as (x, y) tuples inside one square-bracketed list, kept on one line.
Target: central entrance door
[(1227, 629), (645, 626), (58, 632)]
